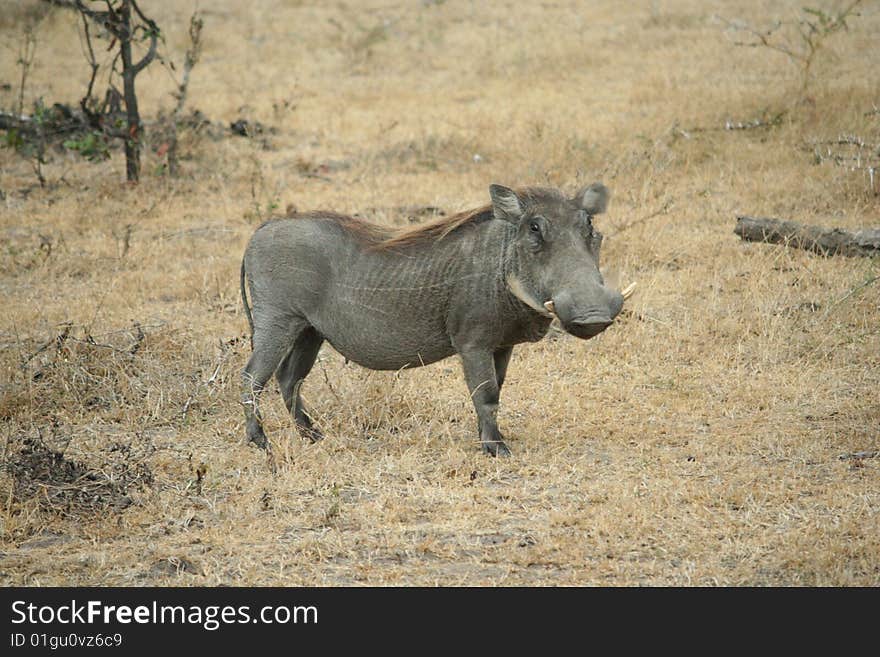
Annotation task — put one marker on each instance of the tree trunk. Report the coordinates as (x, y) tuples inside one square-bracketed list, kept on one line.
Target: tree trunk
[(825, 241), (133, 140)]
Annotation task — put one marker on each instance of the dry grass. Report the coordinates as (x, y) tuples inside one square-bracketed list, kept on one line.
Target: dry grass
[(697, 442)]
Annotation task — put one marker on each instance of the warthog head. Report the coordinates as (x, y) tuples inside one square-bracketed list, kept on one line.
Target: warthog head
[(554, 266)]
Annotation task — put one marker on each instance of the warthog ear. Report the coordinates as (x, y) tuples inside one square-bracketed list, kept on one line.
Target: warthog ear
[(593, 199), (505, 203)]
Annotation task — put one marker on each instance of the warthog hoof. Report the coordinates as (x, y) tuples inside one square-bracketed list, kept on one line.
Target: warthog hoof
[(311, 433), (256, 435), (496, 448)]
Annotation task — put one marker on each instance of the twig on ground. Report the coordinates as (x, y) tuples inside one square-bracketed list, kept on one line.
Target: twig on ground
[(327, 381), (846, 296), (635, 222), (860, 455)]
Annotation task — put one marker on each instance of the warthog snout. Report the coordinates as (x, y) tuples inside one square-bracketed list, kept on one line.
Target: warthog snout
[(588, 329), (586, 319)]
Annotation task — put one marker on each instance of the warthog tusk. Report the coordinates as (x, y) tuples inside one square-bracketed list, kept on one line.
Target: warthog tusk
[(627, 292), (550, 306), (516, 289)]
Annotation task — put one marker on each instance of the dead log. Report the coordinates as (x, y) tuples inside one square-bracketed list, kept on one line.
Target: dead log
[(825, 241)]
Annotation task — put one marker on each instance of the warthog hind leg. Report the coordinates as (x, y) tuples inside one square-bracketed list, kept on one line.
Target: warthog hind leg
[(291, 373), (271, 343), (258, 370)]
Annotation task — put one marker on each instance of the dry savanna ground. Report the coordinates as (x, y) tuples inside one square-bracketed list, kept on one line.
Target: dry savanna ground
[(723, 432)]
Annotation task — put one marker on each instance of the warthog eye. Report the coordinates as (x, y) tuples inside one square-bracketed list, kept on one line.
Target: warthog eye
[(534, 226)]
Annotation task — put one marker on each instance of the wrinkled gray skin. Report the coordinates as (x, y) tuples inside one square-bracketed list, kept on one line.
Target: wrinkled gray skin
[(476, 292)]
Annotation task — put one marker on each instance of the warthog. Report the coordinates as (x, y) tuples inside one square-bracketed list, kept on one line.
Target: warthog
[(475, 284)]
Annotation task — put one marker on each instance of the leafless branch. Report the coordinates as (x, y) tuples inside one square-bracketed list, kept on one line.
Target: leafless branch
[(93, 63), (192, 58), (153, 33), (103, 18), (26, 52), (640, 220)]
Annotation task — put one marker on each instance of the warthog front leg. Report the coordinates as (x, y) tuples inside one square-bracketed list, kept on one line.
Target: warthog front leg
[(502, 359), (482, 382)]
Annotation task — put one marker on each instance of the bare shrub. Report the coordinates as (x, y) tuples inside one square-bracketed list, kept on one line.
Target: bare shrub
[(800, 40)]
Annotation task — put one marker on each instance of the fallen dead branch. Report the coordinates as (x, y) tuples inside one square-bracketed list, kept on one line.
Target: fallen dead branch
[(755, 123), (765, 122), (859, 455), (825, 241)]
